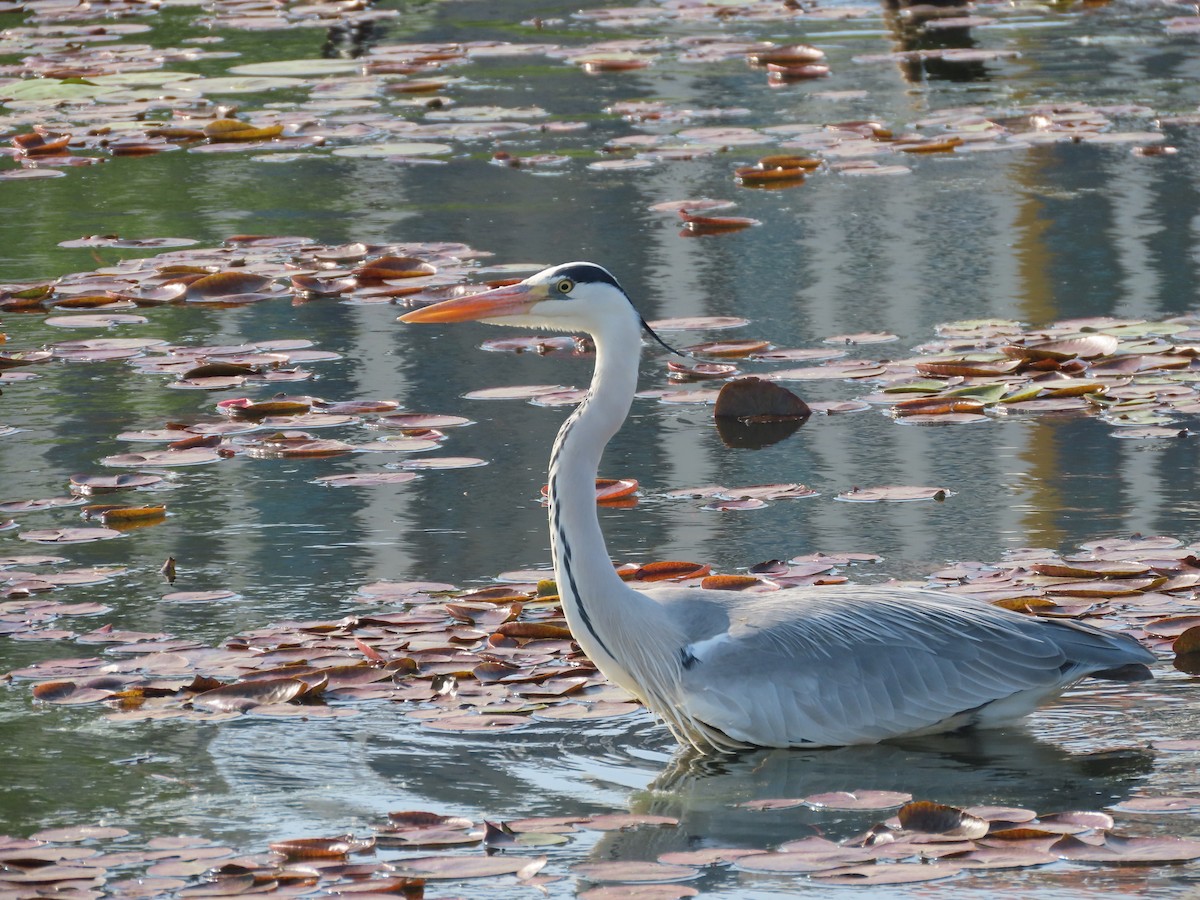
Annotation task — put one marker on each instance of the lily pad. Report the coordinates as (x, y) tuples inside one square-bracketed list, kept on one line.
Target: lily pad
[(301, 68), (394, 148)]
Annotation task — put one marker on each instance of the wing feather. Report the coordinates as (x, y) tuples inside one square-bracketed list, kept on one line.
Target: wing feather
[(846, 666)]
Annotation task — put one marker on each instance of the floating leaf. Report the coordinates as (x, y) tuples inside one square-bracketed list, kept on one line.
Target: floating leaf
[(756, 400), (730, 582), (699, 323), (68, 693), (802, 72), (68, 535), (99, 320), (891, 873), (238, 131), (1119, 850), (1187, 642), (244, 408), (246, 695), (23, 506), (728, 348), (860, 799), (443, 462), (670, 570), (635, 872), (699, 371), (609, 489), (13, 358), (613, 62), (894, 493), (163, 458), (698, 225), (516, 392), (320, 848), (1170, 804), (937, 406), (789, 491), (578, 712), (423, 819), (943, 145), (808, 855), (122, 515), (1089, 346), (456, 867), (99, 484), (966, 368), (792, 54), (937, 818), (227, 285), (773, 176), (365, 479), (732, 505), (623, 821), (706, 856), (468, 723), (390, 267), (76, 833), (392, 149)]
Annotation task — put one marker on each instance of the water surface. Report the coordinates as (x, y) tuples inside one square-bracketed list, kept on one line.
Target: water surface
[(1037, 234)]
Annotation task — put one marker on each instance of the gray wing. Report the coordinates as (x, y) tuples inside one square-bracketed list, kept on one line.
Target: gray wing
[(862, 664)]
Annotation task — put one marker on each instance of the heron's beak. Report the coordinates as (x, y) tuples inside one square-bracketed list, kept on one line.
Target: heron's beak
[(510, 300)]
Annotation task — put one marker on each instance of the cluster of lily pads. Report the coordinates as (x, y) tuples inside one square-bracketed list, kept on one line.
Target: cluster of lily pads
[(923, 841), (1138, 376), (501, 657), (82, 94)]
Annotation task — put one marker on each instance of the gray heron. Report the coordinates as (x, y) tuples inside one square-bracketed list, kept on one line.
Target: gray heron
[(801, 667)]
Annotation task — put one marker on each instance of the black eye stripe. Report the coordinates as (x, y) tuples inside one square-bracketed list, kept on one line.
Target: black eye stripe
[(585, 273)]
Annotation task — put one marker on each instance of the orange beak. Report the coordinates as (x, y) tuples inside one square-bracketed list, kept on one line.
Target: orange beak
[(510, 300)]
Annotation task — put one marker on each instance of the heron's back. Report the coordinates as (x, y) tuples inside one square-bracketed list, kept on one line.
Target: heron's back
[(860, 664)]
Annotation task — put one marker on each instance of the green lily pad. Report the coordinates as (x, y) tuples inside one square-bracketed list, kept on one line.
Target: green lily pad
[(42, 89), (985, 393), (1144, 329), (1029, 392)]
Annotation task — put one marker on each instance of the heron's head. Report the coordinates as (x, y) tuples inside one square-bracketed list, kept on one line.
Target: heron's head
[(576, 296)]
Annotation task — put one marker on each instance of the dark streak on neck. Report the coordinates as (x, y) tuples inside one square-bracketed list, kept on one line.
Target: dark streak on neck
[(562, 547)]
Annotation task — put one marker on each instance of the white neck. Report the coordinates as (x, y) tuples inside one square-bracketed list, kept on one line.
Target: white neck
[(609, 620)]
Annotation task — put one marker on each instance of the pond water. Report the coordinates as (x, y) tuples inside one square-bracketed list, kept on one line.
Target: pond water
[(1041, 225)]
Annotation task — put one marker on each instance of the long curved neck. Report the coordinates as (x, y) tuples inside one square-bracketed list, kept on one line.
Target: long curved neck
[(606, 617)]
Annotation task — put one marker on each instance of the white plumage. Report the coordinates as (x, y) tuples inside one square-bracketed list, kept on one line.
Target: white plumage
[(800, 667)]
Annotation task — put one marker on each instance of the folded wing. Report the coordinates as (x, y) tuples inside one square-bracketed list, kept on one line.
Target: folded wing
[(860, 665)]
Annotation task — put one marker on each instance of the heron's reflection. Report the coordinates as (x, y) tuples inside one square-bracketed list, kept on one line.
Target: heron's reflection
[(917, 30), (1003, 768)]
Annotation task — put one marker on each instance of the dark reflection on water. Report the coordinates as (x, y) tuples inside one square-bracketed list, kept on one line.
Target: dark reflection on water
[(973, 769)]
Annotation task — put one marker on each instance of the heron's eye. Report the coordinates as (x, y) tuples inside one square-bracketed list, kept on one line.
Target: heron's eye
[(564, 286)]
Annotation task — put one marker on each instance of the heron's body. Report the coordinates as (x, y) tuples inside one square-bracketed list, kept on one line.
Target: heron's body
[(799, 667)]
